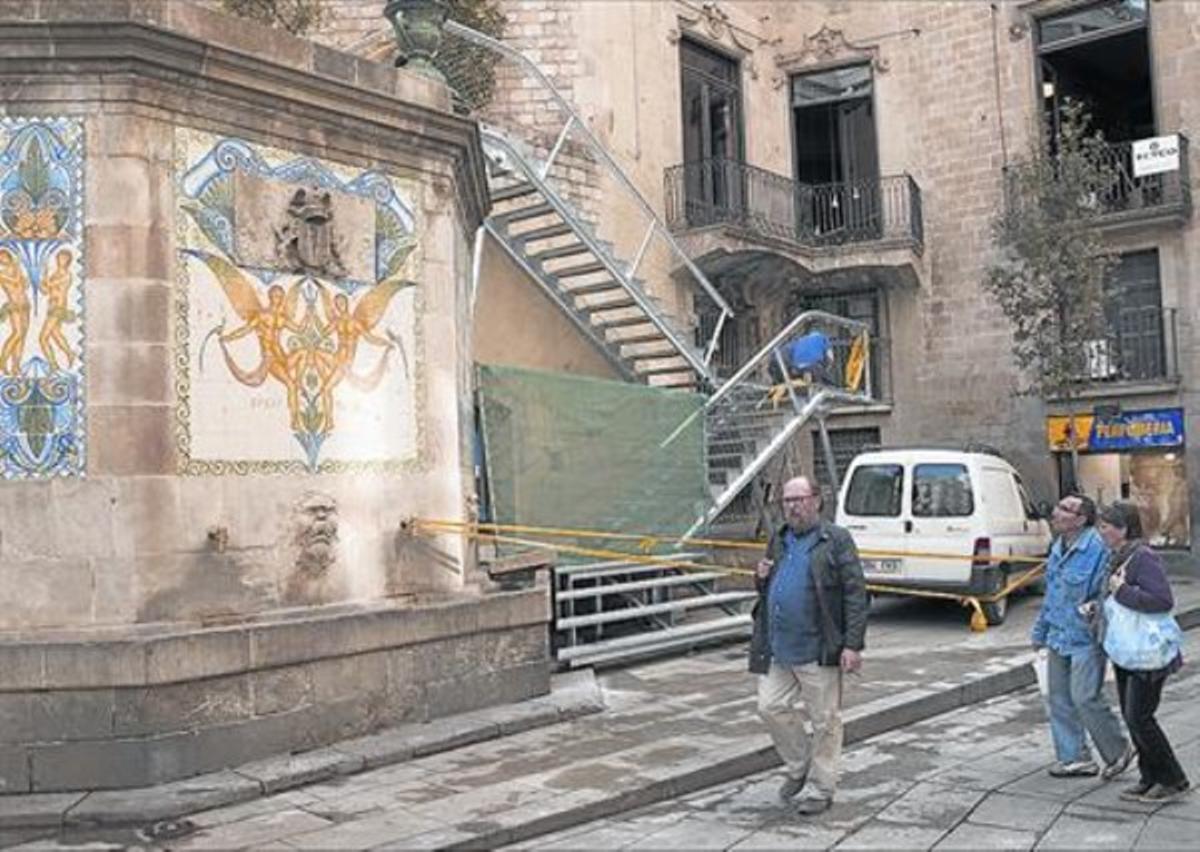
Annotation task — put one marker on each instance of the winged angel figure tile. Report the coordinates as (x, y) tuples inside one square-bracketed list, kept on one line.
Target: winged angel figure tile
[(297, 314)]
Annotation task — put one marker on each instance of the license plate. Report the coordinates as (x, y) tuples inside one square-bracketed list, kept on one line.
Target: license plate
[(881, 566)]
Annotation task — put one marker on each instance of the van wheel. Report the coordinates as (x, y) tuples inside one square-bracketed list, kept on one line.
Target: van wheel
[(996, 611)]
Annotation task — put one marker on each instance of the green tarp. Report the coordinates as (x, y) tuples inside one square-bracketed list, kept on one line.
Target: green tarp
[(567, 451)]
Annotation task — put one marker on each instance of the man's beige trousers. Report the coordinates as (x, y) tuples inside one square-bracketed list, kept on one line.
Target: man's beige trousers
[(791, 697)]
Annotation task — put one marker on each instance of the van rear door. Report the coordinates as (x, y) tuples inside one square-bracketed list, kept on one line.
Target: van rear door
[(942, 522), (870, 509), (1005, 516)]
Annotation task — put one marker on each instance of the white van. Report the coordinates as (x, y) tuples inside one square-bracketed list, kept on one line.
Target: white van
[(968, 503)]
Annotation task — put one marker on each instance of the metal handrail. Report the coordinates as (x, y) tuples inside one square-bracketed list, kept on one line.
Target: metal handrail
[(476, 37), (653, 316)]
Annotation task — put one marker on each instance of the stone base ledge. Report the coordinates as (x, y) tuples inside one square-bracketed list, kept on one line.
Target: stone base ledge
[(574, 695), (114, 711), (160, 654)]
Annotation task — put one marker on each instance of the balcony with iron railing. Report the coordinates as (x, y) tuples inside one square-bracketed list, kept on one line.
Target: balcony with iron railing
[(721, 192), (1125, 199), (1136, 200), (1140, 348)]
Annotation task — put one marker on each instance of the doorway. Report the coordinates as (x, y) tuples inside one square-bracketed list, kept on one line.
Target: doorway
[(837, 158), (712, 135)]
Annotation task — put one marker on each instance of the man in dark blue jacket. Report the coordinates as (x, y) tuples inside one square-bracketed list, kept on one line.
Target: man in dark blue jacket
[(809, 627)]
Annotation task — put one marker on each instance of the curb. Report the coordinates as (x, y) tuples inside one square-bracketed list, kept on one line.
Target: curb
[(861, 723), (573, 695)]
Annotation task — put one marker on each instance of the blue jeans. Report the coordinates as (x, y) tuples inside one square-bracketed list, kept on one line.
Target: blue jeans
[(1076, 703)]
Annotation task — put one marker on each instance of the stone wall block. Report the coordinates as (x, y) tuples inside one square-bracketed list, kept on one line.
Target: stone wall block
[(280, 690), (128, 190), (83, 714), (16, 718), (54, 592), (462, 695), (182, 707), (214, 653), (131, 440), (120, 374), (128, 311), (14, 770), (80, 665), (129, 251), (146, 516), (89, 765), (342, 677), (26, 525)]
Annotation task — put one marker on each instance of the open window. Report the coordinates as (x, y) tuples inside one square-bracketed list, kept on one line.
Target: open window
[(1099, 55)]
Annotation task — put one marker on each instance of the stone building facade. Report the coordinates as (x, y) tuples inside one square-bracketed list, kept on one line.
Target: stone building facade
[(895, 123)]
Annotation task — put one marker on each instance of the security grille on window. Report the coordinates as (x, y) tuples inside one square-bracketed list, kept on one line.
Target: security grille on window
[(846, 443)]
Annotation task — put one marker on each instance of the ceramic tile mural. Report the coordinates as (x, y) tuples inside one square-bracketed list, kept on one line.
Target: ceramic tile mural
[(296, 319), (42, 425)]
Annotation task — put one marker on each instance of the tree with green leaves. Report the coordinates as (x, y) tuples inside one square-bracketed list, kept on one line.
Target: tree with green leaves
[(1051, 271)]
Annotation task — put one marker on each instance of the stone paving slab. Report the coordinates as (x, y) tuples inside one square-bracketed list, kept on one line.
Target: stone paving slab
[(904, 790), (677, 727)]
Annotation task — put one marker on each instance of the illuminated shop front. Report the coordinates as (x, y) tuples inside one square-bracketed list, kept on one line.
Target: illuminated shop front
[(1131, 455)]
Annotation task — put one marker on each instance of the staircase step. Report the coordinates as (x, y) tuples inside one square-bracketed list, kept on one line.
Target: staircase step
[(664, 371), (582, 269), (591, 289), (608, 569), (623, 322), (641, 337), (590, 592), (517, 190), (657, 641), (520, 214), (610, 305), (560, 251), (558, 229), (632, 612)]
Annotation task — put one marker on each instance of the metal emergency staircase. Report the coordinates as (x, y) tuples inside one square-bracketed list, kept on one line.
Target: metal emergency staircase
[(595, 273)]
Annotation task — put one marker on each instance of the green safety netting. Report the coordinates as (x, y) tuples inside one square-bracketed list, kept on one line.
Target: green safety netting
[(567, 451)]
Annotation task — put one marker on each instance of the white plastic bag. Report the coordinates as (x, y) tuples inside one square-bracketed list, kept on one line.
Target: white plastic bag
[(1041, 662)]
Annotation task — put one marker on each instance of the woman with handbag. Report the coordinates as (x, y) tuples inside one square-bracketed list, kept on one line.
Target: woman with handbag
[(1143, 642)]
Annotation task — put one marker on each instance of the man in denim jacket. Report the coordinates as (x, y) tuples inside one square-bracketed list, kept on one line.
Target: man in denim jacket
[(1075, 662)]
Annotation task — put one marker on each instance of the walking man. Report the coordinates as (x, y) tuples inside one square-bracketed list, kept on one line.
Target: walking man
[(1075, 663), (809, 625)]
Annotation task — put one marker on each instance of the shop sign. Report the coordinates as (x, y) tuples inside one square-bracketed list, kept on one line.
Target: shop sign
[(1127, 430), (1156, 155)]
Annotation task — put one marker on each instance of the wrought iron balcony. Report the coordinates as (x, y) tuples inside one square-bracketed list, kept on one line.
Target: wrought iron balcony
[(1141, 346), (1164, 195), (727, 192)]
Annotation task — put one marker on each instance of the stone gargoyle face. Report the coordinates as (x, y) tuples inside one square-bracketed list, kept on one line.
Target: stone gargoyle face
[(316, 531)]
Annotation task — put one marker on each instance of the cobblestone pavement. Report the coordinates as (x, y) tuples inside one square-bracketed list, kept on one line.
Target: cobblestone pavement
[(971, 779)]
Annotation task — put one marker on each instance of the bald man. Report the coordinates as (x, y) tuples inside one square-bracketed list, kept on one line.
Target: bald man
[(809, 627)]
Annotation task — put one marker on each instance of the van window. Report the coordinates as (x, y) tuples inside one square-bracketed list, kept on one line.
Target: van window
[(875, 491), (1031, 512), (942, 491)]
